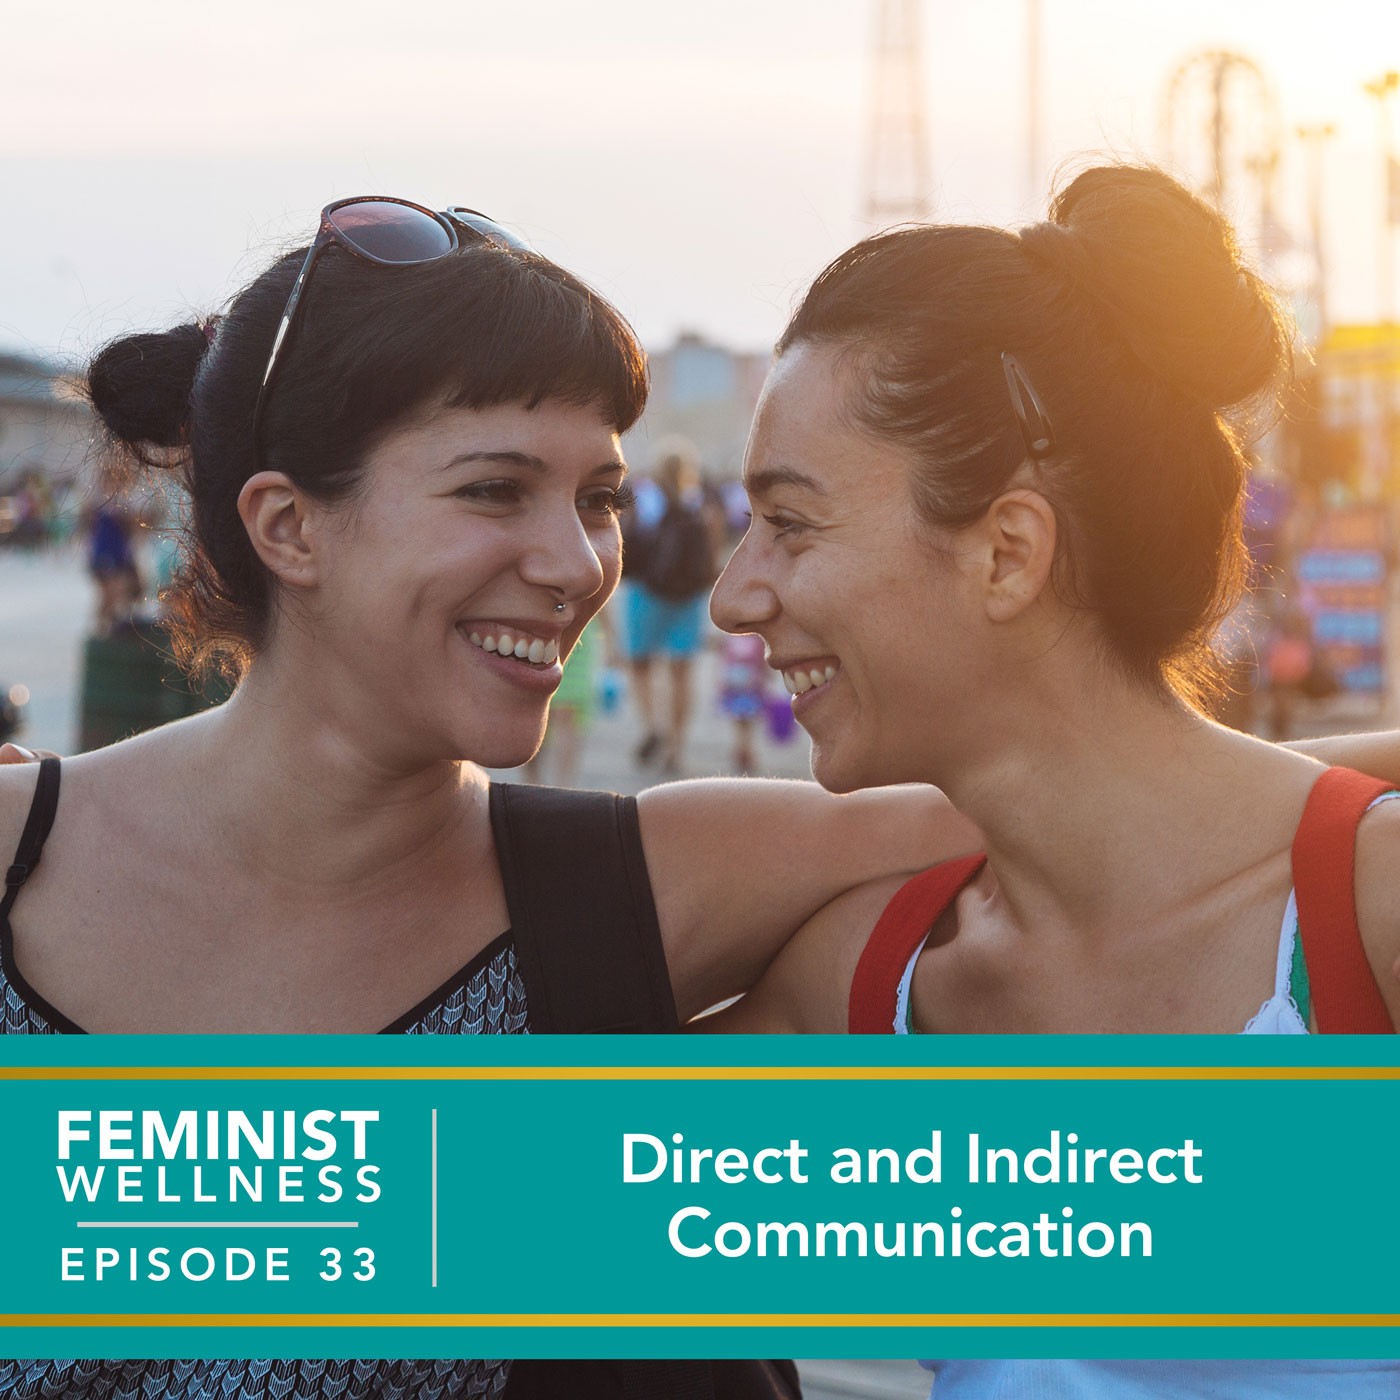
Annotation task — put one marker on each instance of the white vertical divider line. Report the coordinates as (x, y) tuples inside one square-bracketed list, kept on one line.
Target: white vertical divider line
[(434, 1195)]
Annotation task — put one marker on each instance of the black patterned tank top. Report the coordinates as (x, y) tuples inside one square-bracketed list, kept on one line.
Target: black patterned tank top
[(486, 997)]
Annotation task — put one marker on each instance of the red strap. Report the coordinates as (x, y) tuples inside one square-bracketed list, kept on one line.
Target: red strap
[(1345, 996), (917, 905)]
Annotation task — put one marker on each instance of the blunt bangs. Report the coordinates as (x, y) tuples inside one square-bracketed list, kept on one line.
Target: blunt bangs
[(483, 327)]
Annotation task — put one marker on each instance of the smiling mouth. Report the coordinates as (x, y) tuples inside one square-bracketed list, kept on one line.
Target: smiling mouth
[(800, 679), (518, 646)]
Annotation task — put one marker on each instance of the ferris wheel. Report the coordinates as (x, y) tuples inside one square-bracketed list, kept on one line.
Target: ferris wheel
[(1222, 131)]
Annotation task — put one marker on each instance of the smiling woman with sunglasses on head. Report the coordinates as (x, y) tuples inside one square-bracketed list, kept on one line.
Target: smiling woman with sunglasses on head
[(401, 449)]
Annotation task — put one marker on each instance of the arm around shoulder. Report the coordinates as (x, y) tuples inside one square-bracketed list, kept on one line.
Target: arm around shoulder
[(1377, 754), (737, 865), (807, 988)]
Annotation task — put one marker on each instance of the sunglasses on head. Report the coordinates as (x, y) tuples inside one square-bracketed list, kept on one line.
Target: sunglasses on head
[(391, 233)]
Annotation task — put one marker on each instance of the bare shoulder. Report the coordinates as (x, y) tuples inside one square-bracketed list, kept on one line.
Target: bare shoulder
[(103, 781), (807, 988), (1378, 897)]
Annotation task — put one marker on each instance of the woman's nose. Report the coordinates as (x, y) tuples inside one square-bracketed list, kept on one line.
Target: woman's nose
[(568, 559), (742, 598)]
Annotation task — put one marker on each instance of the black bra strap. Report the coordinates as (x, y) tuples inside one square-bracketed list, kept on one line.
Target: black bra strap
[(42, 811)]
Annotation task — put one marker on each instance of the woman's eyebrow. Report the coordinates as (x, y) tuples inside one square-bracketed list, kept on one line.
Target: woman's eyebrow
[(766, 479), (504, 458), (509, 458)]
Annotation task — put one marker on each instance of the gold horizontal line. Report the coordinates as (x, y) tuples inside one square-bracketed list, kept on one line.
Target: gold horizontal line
[(701, 1073), (702, 1320)]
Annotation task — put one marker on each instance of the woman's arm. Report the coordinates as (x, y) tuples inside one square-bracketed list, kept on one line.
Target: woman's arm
[(807, 988), (1377, 754), (738, 865)]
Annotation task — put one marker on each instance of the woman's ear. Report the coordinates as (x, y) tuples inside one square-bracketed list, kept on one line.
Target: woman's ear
[(1020, 532), (274, 514)]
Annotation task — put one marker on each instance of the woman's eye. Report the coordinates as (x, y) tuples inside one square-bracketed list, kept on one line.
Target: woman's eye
[(783, 524), (609, 500), (502, 492)]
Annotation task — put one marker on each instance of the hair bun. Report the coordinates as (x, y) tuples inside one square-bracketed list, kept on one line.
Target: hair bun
[(140, 386), (1166, 269)]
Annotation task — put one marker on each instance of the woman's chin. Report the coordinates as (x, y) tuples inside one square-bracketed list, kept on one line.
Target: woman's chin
[(835, 772), (502, 750), (843, 767)]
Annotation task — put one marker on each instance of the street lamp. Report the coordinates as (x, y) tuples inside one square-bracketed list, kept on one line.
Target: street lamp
[(1314, 139), (1383, 89), (1033, 103)]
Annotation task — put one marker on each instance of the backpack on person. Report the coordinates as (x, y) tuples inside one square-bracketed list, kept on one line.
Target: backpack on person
[(675, 557)]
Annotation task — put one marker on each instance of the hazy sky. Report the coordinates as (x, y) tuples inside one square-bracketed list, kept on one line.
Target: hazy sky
[(698, 163)]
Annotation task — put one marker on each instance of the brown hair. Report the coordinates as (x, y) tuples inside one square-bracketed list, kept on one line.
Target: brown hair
[(1151, 345), (486, 325)]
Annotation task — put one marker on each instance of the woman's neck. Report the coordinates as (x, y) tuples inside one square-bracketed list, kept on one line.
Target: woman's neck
[(296, 792), (1103, 802)]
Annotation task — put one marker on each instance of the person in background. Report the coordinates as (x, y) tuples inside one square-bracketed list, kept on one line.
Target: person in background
[(572, 707), (1293, 670), (670, 561), (744, 678), (112, 522)]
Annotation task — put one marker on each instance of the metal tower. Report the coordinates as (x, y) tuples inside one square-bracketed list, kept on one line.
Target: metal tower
[(897, 180)]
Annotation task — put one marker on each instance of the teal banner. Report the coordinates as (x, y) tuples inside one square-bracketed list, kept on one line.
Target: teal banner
[(671, 1196)]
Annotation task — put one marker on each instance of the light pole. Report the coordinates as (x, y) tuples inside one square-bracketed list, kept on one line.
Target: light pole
[(1383, 89), (1033, 114), (1314, 139)]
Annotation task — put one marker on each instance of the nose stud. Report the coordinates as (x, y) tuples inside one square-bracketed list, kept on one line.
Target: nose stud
[(560, 607)]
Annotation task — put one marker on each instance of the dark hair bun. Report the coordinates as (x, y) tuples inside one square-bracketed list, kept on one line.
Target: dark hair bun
[(1165, 267), (140, 386)]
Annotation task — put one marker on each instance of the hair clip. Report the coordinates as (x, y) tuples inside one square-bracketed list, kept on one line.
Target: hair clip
[(1030, 412)]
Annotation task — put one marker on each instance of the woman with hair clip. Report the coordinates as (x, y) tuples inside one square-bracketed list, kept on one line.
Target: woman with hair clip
[(996, 484), (401, 449)]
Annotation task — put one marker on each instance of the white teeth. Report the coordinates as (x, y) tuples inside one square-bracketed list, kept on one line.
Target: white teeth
[(534, 650), (800, 682)]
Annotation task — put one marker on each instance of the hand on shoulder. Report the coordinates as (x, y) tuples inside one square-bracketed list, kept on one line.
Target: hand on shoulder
[(16, 753), (18, 776), (737, 865)]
